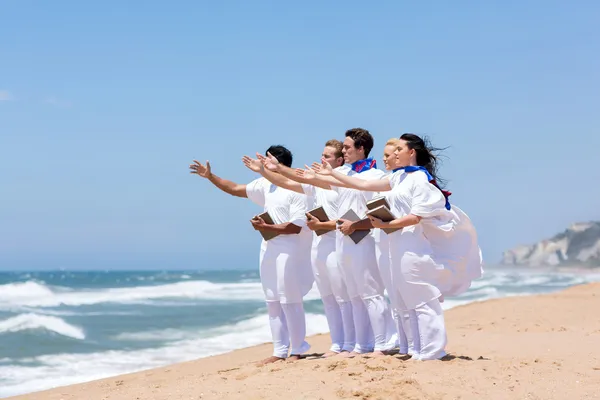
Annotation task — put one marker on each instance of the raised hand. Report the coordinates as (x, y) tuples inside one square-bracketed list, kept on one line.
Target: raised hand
[(201, 170), (307, 173), (322, 169), (272, 159), (267, 161), (252, 164)]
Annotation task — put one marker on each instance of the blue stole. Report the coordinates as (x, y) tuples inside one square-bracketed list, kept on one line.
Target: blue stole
[(364, 165)]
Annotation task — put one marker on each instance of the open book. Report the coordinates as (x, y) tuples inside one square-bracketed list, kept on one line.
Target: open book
[(268, 220), (378, 201), (357, 236), (384, 214), (319, 213)]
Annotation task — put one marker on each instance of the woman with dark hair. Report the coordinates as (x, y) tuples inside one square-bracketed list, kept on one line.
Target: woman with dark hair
[(435, 253)]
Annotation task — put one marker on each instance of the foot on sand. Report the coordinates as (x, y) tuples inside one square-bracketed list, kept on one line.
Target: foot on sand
[(330, 354), (294, 357), (269, 360)]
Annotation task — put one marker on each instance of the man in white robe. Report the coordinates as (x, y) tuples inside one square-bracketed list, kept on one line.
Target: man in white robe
[(358, 260), (285, 270), (327, 273)]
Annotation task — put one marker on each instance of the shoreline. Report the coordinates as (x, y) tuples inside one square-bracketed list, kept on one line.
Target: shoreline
[(511, 347)]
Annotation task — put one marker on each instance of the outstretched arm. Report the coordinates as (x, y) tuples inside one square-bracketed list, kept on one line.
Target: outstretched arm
[(204, 171), (273, 177), (271, 163), (379, 185)]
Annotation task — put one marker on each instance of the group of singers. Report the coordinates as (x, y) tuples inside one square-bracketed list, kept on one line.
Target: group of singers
[(428, 252)]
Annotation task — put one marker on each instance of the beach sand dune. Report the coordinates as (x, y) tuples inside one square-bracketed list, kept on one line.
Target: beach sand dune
[(537, 347)]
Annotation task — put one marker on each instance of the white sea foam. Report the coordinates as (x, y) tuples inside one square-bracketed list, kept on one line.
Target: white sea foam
[(34, 294), (31, 321), (65, 369)]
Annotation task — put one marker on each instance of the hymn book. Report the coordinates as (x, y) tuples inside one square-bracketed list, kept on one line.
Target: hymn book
[(383, 213), (320, 214), (267, 235), (358, 235), (378, 201)]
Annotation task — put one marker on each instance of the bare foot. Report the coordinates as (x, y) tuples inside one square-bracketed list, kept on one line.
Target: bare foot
[(269, 360), (330, 354), (378, 353), (294, 357), (346, 354)]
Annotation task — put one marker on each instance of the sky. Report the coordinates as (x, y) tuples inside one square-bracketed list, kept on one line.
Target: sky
[(103, 105)]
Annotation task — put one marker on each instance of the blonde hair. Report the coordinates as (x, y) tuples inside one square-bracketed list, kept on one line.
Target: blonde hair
[(337, 145), (393, 142)]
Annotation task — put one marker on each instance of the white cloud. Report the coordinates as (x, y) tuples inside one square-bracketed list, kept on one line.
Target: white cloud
[(53, 101), (5, 95)]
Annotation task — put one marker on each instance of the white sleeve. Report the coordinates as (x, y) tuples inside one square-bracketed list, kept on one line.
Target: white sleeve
[(298, 209), (342, 170), (394, 178), (308, 190), (427, 200), (255, 191)]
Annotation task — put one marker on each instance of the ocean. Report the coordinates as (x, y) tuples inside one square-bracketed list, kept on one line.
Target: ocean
[(63, 327)]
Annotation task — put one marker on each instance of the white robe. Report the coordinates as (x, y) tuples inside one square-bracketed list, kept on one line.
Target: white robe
[(285, 270), (328, 276), (439, 255), (358, 260)]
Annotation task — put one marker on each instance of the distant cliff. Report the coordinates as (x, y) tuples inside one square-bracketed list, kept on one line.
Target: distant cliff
[(578, 245)]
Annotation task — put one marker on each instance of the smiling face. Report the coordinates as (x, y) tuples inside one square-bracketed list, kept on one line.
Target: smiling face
[(389, 157), (404, 155), (351, 153)]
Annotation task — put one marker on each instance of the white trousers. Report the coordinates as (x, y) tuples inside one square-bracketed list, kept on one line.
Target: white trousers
[(428, 331), (363, 281), (331, 285), (288, 328), (403, 329), (400, 323)]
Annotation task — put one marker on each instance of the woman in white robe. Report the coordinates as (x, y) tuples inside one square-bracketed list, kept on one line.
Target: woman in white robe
[(435, 253), (382, 252)]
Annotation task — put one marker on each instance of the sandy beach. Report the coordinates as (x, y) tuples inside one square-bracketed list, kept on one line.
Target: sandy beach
[(537, 347)]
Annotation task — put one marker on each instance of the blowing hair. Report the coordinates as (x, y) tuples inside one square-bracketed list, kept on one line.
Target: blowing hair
[(426, 156), (337, 145), (282, 154), (362, 138)]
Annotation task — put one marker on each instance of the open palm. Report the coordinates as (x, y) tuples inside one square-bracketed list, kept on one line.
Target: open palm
[(201, 170), (252, 164)]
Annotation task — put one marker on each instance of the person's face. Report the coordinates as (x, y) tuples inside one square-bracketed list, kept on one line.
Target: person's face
[(389, 157), (329, 155), (404, 155), (351, 153)]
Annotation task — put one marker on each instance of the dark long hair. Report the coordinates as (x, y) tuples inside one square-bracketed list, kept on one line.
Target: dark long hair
[(426, 155)]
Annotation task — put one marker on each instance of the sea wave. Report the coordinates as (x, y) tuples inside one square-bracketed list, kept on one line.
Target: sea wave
[(65, 369), (36, 294), (32, 321)]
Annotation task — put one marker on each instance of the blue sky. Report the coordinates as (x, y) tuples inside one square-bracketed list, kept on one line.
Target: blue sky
[(104, 104)]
